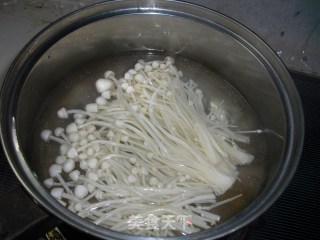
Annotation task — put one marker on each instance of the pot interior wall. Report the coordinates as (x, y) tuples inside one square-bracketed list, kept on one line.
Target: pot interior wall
[(223, 67)]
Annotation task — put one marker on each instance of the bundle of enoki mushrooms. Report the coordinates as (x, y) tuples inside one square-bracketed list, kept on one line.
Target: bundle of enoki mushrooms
[(146, 148)]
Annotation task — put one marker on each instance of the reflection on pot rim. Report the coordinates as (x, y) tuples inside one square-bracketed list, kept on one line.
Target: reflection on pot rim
[(273, 79)]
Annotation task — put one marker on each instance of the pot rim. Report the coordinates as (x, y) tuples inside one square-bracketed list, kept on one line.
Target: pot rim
[(55, 31)]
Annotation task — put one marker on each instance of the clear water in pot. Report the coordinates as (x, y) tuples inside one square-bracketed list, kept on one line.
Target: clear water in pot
[(78, 89)]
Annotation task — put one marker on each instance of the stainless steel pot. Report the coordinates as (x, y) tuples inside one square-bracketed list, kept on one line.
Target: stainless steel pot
[(105, 34)]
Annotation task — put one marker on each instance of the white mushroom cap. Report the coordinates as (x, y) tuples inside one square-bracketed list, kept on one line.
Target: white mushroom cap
[(155, 64), (138, 66), (45, 135), (92, 107), (61, 159), (62, 113), (91, 188), (54, 170), (108, 74), (78, 207), (128, 76), (106, 94), (57, 192), (48, 182), (68, 166), (64, 149), (93, 176), (101, 101), (74, 137), (74, 175), (71, 128), (92, 163), (72, 153), (80, 191), (58, 131), (103, 85), (130, 89), (147, 68), (140, 78)]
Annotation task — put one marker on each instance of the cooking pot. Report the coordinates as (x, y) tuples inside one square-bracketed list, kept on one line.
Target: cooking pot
[(234, 66)]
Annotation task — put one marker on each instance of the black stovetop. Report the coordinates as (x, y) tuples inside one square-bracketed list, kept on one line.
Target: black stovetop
[(295, 215)]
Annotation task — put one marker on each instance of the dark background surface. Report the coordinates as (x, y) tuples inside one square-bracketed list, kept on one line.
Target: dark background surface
[(290, 27)]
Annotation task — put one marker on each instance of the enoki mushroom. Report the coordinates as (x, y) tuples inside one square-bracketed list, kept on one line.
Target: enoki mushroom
[(146, 148)]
